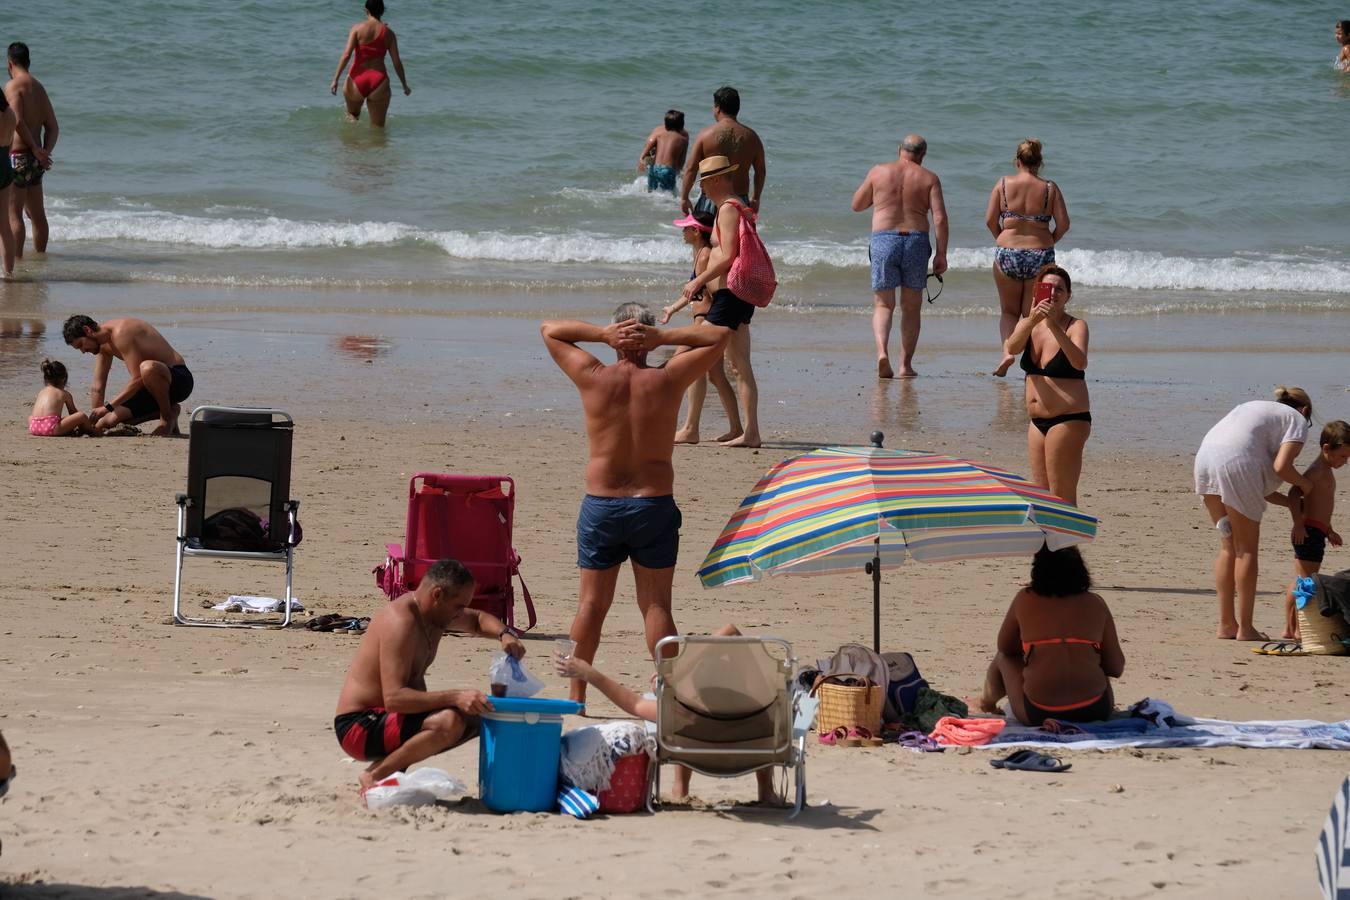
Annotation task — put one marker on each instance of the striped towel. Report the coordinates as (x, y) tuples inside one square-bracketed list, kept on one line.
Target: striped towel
[(577, 803), (1333, 849)]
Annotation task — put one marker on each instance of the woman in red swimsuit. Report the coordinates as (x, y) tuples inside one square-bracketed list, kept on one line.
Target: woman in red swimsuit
[(1057, 649), (368, 82)]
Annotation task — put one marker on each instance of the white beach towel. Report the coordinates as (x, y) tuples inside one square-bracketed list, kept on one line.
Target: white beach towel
[(247, 603), (588, 753)]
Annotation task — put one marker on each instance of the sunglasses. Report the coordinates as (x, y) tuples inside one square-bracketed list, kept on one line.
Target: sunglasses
[(930, 297)]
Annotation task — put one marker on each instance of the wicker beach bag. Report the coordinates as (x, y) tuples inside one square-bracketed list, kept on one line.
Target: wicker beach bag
[(848, 705), (1322, 635)]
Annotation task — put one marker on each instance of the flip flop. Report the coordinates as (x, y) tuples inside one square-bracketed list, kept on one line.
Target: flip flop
[(863, 735), (834, 738), (1280, 648), (327, 622), (1030, 761), (917, 740)]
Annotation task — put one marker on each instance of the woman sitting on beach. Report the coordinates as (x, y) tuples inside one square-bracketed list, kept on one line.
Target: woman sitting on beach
[(1025, 242), (1057, 644), (1238, 470), (1054, 348), (698, 235), (368, 81)]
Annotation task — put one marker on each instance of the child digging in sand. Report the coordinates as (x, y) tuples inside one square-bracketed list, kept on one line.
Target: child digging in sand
[(1312, 518), (46, 419), (645, 708)]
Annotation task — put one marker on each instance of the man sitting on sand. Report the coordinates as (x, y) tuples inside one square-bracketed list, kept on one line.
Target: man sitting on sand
[(385, 714), (629, 510), (160, 380)]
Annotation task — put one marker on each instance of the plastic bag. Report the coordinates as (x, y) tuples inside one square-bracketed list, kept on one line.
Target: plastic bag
[(508, 671), (421, 788)]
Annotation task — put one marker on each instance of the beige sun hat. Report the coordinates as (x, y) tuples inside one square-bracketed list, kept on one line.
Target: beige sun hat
[(715, 165)]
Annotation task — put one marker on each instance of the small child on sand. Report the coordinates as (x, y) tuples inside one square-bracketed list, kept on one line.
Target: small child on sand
[(46, 420), (1312, 518), (645, 708)]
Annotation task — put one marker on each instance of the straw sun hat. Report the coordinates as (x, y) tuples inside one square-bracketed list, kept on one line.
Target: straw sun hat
[(715, 165)]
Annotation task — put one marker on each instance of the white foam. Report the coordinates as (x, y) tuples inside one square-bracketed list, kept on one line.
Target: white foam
[(1129, 269)]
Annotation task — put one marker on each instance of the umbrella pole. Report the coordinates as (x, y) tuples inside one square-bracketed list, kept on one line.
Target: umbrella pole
[(873, 568)]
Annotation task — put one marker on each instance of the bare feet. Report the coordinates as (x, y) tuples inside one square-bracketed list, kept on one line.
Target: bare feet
[(745, 440), (908, 372), (730, 435), (1251, 634), (1226, 633), (686, 436), (1004, 366), (1289, 635), (884, 369), (164, 429)]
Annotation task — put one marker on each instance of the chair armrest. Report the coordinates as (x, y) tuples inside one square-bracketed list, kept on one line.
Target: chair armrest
[(291, 506), (180, 499), (395, 551)]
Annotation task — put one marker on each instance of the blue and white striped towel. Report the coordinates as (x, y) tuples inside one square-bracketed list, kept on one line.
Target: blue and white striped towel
[(577, 803), (1333, 848)]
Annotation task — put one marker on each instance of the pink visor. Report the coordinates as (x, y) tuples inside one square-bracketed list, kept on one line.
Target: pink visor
[(690, 222)]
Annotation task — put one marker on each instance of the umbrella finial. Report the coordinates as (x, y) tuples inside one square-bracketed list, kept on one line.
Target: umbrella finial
[(877, 438)]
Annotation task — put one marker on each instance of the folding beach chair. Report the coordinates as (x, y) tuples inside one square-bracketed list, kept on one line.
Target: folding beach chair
[(239, 471), (728, 706), (468, 518)]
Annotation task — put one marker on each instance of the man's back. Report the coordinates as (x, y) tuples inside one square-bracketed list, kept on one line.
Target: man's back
[(671, 147), (364, 687), (631, 413), (141, 340), (901, 196), (26, 94), (738, 143)]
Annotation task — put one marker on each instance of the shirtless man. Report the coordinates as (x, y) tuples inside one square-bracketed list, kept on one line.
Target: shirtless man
[(30, 102), (385, 714), (629, 511), (726, 137), (160, 380), (663, 154), (902, 194)]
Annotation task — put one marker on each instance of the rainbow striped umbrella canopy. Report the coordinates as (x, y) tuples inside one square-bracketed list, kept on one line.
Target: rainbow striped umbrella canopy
[(837, 508)]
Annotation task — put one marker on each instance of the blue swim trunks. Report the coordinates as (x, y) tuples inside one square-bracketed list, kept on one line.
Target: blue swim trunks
[(612, 529), (661, 178), (899, 259)]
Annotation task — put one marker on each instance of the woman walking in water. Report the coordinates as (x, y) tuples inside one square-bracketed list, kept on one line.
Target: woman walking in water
[(1020, 210), (1054, 348), (368, 81)]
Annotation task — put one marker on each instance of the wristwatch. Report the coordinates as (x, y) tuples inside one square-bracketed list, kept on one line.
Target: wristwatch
[(108, 407)]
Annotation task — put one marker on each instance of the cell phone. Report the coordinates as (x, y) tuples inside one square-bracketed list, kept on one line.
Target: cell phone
[(1045, 291)]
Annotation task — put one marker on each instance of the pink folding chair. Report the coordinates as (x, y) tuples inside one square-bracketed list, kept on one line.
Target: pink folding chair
[(468, 518)]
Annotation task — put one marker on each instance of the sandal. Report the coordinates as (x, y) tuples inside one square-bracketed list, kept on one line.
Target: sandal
[(834, 738), (1030, 761), (864, 737), (1280, 648), (326, 622), (917, 740)]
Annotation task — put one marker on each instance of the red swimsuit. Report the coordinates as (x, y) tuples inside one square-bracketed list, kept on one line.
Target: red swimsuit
[(366, 78)]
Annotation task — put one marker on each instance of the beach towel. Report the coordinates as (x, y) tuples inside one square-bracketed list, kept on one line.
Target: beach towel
[(577, 803), (1154, 723), (589, 753), (247, 603), (1333, 848), (956, 732)]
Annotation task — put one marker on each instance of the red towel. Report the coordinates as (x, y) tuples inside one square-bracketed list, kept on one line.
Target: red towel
[(956, 732)]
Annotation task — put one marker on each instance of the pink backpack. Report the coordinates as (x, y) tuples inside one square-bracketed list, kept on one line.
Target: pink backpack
[(751, 277)]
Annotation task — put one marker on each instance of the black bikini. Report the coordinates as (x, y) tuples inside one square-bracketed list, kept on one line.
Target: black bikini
[(1058, 367)]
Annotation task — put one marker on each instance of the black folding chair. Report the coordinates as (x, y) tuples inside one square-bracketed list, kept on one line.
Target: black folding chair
[(239, 459)]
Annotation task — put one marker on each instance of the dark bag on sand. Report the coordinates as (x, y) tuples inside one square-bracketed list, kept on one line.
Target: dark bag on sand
[(905, 682), (238, 530)]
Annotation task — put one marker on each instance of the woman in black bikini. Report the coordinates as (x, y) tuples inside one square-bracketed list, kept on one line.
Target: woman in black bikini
[(1054, 348), (1058, 645)]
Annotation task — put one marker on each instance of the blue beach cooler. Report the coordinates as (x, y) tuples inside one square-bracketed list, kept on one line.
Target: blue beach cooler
[(518, 753)]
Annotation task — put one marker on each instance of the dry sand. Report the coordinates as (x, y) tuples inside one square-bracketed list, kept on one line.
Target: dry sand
[(202, 762)]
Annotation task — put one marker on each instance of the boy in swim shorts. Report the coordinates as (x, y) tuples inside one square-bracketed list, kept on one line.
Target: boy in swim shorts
[(1312, 514)]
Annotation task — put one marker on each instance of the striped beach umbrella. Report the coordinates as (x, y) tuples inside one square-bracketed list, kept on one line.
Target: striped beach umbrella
[(840, 509)]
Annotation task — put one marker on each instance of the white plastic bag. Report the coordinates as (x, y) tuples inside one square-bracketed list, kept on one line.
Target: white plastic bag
[(421, 788), (508, 670)]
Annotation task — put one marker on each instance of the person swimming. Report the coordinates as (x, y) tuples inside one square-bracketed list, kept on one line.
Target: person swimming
[(368, 81)]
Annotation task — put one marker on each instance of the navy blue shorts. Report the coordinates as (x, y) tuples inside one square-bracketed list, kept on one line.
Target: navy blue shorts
[(612, 529), (899, 259)]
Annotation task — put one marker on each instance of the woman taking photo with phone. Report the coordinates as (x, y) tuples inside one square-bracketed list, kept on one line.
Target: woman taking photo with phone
[(1054, 348), (1021, 208)]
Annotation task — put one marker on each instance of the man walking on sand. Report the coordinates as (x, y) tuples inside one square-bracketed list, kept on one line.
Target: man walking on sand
[(726, 137), (160, 380), (385, 714), (629, 509), (663, 154), (902, 194), (30, 102)]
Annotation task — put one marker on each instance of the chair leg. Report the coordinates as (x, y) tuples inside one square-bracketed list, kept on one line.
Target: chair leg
[(801, 789), (653, 786), (290, 560), (178, 586)]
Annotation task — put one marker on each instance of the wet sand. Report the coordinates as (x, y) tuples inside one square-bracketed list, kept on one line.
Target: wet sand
[(203, 762)]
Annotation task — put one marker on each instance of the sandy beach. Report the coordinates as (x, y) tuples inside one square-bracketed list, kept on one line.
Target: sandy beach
[(161, 760)]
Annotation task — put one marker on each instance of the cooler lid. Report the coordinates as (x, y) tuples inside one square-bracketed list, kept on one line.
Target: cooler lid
[(545, 706)]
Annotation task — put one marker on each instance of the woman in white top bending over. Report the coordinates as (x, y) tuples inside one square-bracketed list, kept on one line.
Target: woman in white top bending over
[(1238, 470)]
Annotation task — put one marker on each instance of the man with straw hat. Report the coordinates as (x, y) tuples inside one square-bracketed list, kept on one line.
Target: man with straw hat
[(728, 310)]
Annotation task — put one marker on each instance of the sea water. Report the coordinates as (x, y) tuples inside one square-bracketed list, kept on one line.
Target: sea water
[(1200, 147)]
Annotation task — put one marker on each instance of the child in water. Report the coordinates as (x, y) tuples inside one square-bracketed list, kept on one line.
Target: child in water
[(46, 419), (1312, 518), (1343, 38)]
